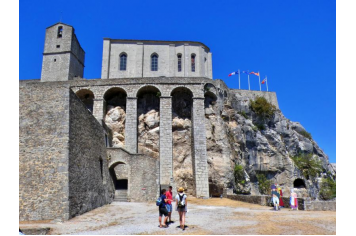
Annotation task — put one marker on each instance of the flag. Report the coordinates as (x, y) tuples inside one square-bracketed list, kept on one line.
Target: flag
[(233, 73), (263, 81), (258, 74), (246, 72)]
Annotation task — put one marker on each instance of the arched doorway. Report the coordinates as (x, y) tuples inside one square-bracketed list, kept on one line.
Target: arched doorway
[(148, 120), (182, 104), (119, 173), (87, 97), (115, 114)]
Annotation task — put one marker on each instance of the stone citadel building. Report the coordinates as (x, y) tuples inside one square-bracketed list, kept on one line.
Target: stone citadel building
[(140, 127)]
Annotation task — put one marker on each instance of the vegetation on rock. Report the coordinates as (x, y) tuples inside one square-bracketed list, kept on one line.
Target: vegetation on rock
[(305, 134), (262, 108), (328, 189), (309, 166), (239, 176), (264, 185), (243, 113)]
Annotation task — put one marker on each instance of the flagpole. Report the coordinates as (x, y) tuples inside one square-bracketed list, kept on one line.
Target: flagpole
[(239, 79), (267, 83), (259, 79), (248, 76)]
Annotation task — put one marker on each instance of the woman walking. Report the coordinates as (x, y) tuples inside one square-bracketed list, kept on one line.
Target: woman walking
[(181, 203)]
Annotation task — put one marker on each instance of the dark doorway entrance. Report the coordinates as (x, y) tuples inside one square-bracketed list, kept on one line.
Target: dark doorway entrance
[(121, 184)]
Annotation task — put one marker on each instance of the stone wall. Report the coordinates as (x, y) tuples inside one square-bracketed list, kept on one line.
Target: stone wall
[(264, 200), (241, 98), (43, 151), (143, 174), (90, 185), (139, 54), (303, 203)]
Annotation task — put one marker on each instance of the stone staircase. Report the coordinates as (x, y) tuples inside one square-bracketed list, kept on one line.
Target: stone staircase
[(121, 195)]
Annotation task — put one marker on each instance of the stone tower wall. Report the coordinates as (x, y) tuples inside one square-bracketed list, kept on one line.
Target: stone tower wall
[(43, 152), (63, 57)]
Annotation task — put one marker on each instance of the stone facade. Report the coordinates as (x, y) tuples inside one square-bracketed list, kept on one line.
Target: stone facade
[(138, 54)]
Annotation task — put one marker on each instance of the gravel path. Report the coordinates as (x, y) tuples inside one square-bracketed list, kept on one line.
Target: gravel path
[(211, 216)]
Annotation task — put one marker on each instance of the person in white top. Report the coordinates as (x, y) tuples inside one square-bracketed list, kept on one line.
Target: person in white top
[(181, 206)]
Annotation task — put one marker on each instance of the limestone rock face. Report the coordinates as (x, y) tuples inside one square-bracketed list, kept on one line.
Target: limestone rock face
[(148, 133), (233, 138), (115, 120)]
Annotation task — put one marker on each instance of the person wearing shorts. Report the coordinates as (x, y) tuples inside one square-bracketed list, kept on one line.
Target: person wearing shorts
[(163, 210), (181, 204), (169, 204)]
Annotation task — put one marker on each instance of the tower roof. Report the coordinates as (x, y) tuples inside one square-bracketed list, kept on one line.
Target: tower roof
[(59, 23)]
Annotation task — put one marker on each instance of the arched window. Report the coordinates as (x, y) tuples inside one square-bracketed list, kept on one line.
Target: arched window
[(193, 62), (123, 61), (154, 62), (60, 31), (179, 56)]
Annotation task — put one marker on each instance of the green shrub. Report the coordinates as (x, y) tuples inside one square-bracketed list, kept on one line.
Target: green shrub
[(262, 107), (243, 113), (328, 189), (254, 128), (260, 126), (305, 134), (239, 178), (264, 185), (309, 166)]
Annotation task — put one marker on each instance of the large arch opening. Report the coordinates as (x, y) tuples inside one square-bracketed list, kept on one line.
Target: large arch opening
[(115, 114), (148, 120), (87, 97), (182, 104), (119, 173), (299, 183)]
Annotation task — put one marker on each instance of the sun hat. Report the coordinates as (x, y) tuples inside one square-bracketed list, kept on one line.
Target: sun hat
[(181, 189)]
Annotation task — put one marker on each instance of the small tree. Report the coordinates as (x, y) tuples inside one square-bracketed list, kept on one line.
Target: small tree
[(239, 177), (262, 108), (264, 185), (328, 189), (310, 166)]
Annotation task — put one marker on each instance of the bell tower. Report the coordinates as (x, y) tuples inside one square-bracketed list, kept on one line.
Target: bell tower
[(63, 57)]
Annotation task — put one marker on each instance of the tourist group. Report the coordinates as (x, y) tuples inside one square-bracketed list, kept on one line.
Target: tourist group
[(164, 203)]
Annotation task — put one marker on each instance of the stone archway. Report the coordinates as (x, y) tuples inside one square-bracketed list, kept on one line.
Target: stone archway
[(182, 104), (148, 120), (119, 173), (115, 114)]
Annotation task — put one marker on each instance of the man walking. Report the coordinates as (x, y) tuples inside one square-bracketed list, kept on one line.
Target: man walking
[(169, 204)]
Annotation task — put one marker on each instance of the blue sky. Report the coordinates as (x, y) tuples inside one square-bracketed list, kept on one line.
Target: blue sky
[(292, 42)]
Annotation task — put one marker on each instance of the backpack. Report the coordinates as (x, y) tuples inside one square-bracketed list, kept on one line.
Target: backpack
[(180, 202), (159, 201)]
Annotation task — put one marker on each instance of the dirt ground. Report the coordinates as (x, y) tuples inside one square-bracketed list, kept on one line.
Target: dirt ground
[(208, 216)]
